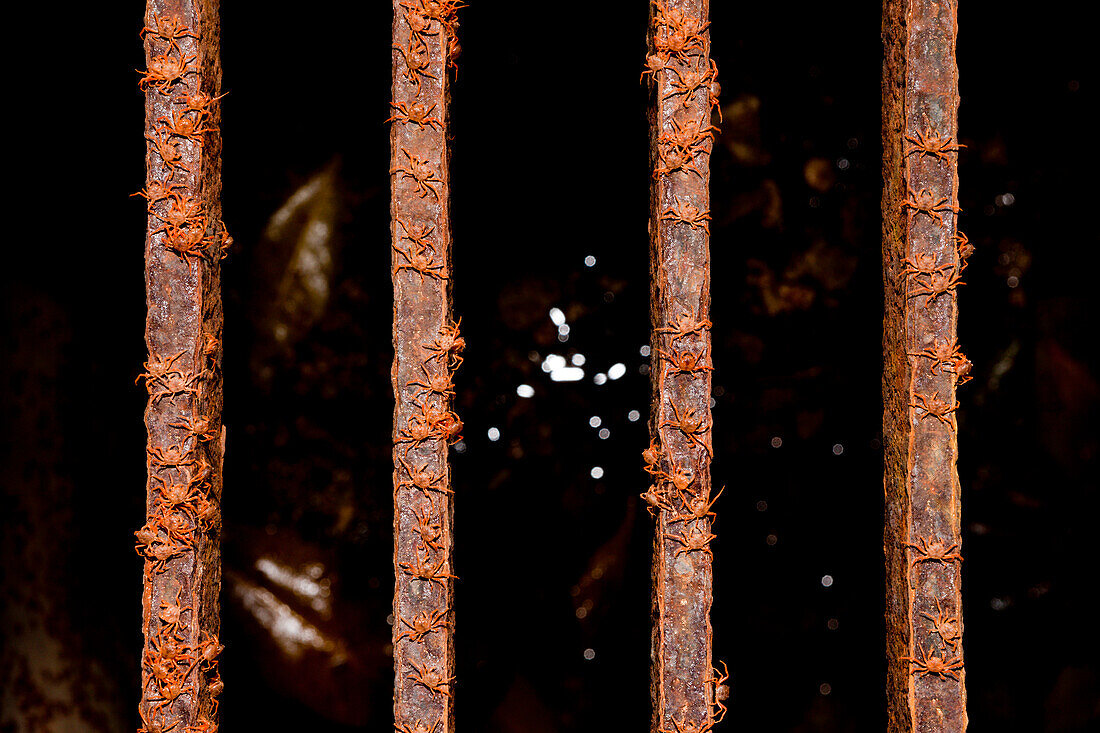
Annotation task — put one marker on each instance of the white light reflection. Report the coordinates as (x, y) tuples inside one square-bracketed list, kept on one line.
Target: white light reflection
[(557, 316), (616, 371), (567, 374), (590, 261), (600, 378), (596, 472), (633, 416), (308, 588), (644, 351), (553, 362), (578, 359), (604, 433), (594, 421), (494, 434), (525, 390)]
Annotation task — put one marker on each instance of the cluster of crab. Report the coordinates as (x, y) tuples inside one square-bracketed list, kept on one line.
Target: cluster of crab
[(942, 660), (717, 691), (925, 276), (946, 661), (171, 660), (182, 509), (930, 279), (681, 68), (672, 490), (428, 18), (180, 474), (186, 229), (418, 257), (434, 423)]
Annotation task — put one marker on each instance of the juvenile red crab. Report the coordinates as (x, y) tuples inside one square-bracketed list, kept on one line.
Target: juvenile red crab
[(655, 63), (653, 455), (418, 727), (685, 325), (417, 430), (173, 457), (939, 283), (417, 233), (164, 71), (422, 480), (431, 678), (426, 571), (173, 385), (441, 385), (422, 174), (181, 125), (157, 191), (170, 30), (171, 613), (691, 80), (421, 261), (945, 626), (694, 540), (170, 156), (200, 102), (176, 494), (931, 664), (698, 507), (690, 425), (683, 726), (656, 499), (925, 202), (429, 529), (685, 361), (934, 551), (448, 346), (945, 355), (935, 407), (157, 368), (931, 145), (688, 213), (423, 624), (200, 427), (416, 113), (416, 61)]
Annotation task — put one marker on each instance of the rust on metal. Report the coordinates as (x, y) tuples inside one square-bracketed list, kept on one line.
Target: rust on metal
[(184, 245), (924, 256), (427, 349), (686, 688)]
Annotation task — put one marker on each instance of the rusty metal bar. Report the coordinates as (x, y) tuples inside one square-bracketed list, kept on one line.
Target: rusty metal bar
[(924, 256), (686, 688), (427, 350), (185, 242)]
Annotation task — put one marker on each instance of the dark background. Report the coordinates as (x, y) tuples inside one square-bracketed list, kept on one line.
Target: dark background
[(550, 167)]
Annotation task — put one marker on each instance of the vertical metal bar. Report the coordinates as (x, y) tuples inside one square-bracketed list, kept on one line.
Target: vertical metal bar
[(685, 686), (924, 255), (185, 241), (427, 350)]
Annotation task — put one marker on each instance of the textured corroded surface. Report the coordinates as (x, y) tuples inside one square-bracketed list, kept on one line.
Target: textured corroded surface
[(425, 354), (923, 258), (184, 244), (684, 89)]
